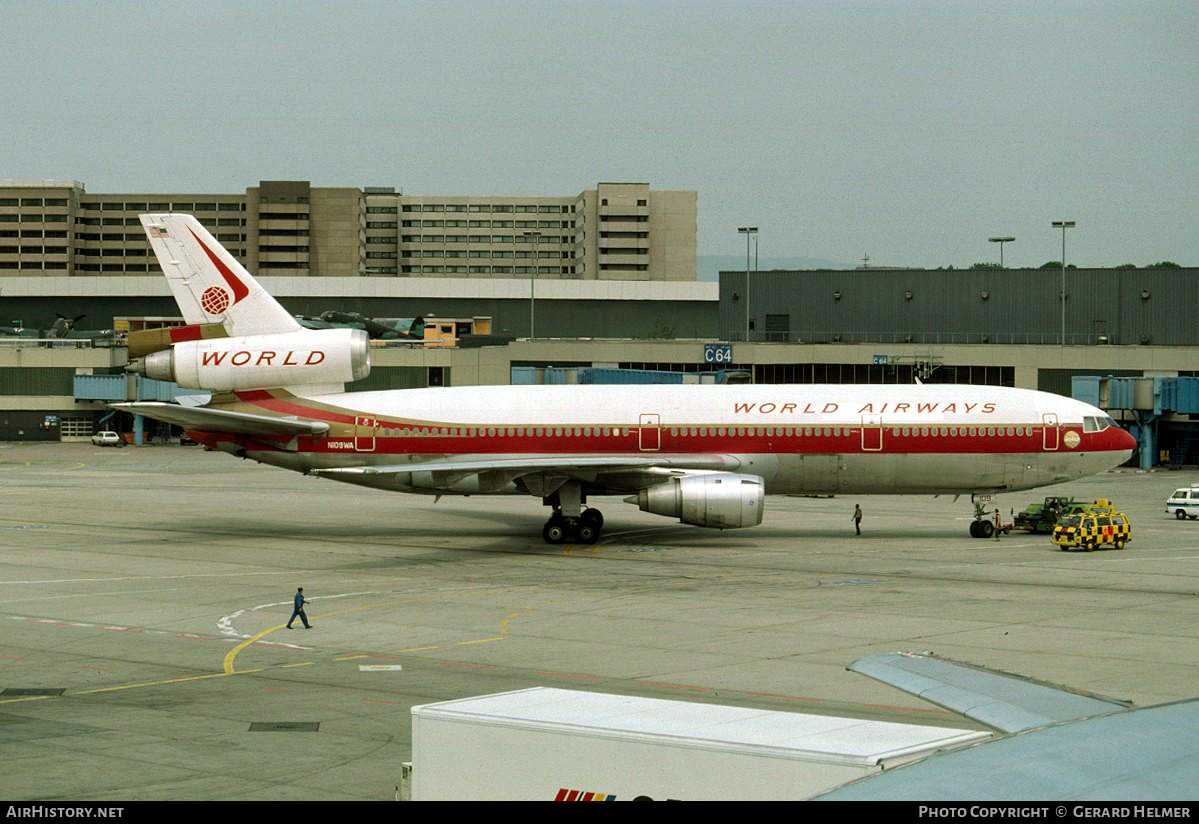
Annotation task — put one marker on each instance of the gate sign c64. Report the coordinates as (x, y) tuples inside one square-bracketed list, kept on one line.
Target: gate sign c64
[(718, 353)]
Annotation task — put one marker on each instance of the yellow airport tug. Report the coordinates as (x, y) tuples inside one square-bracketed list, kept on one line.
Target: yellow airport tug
[(1100, 524)]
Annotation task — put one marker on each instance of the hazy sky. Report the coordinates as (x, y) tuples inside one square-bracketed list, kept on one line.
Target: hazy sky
[(910, 131)]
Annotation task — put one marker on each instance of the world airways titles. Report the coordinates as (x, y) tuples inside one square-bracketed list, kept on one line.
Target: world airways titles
[(869, 408)]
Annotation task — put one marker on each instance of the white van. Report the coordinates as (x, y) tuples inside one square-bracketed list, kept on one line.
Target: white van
[(1184, 503)]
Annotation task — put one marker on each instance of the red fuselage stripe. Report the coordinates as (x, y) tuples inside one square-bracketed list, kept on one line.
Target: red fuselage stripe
[(629, 441)]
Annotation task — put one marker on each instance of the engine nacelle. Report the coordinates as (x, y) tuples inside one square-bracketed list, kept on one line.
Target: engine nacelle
[(721, 500), (324, 356)]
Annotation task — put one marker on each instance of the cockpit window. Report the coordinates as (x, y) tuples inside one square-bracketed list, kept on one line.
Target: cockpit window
[(1096, 423)]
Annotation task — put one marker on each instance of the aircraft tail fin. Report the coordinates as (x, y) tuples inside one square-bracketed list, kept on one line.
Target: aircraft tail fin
[(209, 284)]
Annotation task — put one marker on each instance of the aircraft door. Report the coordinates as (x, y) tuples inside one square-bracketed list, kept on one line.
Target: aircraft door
[(872, 433), (364, 433), (649, 433), (1050, 432)]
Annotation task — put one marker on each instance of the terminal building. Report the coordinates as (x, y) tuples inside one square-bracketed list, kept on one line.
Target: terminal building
[(614, 288), (616, 231)]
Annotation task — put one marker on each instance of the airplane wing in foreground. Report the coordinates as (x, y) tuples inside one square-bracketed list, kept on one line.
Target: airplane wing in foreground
[(1069, 746), (1006, 702), (217, 420)]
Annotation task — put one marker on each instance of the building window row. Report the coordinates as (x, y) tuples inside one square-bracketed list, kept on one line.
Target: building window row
[(33, 265), (120, 237), (487, 207), (459, 253), (487, 270), (33, 250), (283, 232), (544, 240), (28, 218), (29, 233), (113, 252), (32, 201), (164, 206), (485, 224)]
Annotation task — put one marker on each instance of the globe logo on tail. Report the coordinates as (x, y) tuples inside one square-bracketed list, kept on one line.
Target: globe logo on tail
[(215, 300)]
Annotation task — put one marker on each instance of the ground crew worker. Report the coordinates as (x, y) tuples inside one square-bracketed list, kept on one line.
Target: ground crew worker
[(857, 518), (998, 524), (300, 601)]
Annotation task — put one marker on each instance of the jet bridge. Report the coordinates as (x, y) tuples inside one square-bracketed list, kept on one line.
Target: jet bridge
[(1149, 399)]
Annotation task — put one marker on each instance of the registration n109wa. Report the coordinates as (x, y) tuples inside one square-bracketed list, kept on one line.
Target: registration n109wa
[(706, 455)]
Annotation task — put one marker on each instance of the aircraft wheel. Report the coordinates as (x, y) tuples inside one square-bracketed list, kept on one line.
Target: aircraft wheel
[(587, 532), (974, 529), (555, 531), (595, 517), (986, 529)]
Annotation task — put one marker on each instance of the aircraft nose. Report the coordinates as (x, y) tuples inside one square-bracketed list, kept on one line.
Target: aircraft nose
[(1127, 441)]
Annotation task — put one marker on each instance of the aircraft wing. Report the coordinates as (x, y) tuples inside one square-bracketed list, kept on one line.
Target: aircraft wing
[(573, 465), (219, 420), (1005, 702)]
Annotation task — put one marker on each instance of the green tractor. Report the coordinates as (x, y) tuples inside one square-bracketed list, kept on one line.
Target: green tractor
[(1043, 517)]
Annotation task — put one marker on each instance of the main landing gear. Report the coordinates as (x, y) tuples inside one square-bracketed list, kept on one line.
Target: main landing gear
[(570, 522), (584, 529)]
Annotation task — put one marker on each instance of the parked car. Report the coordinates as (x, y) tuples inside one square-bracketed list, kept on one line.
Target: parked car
[(1184, 503), (108, 438)]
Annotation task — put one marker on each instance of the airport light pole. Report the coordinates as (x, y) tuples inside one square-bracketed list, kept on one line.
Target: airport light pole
[(1063, 225), (535, 236), (1001, 241), (748, 231)]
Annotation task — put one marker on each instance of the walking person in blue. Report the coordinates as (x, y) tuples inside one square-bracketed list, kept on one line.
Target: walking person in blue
[(299, 610)]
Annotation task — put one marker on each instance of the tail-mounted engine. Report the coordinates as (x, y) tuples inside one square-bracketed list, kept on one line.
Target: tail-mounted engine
[(721, 499), (326, 356)]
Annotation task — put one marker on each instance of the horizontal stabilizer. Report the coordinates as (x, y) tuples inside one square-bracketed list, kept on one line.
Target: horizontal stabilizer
[(219, 420), (1005, 702)]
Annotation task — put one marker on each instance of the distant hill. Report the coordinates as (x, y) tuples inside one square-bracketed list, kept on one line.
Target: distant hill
[(709, 267)]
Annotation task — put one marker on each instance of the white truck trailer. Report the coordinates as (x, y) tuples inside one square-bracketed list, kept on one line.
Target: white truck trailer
[(567, 745)]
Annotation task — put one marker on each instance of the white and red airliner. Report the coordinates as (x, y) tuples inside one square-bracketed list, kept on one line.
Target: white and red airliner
[(704, 454)]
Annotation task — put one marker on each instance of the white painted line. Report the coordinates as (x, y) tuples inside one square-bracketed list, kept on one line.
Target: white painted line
[(379, 668)]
